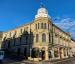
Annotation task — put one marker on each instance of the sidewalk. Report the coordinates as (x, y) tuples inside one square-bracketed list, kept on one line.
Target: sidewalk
[(62, 59), (48, 62), (7, 61)]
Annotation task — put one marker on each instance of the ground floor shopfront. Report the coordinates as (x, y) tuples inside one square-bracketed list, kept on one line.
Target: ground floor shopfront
[(42, 53)]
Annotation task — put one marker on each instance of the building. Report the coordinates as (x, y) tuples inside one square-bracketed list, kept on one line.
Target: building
[(1, 34), (40, 39), (72, 44)]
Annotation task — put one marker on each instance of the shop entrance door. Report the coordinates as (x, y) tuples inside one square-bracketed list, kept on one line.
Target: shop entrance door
[(25, 53), (18, 51), (43, 55)]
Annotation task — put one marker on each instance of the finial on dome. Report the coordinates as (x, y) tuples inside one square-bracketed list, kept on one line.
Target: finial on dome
[(41, 4), (42, 12)]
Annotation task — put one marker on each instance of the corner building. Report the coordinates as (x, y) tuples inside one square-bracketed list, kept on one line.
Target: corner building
[(38, 40)]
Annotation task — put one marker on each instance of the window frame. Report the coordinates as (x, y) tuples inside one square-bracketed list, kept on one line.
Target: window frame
[(43, 37), (37, 37)]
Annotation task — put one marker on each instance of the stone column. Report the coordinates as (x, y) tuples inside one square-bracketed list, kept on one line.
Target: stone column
[(46, 55), (61, 53), (66, 52), (52, 53)]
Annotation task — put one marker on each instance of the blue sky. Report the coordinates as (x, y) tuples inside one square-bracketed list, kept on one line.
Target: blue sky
[(15, 13)]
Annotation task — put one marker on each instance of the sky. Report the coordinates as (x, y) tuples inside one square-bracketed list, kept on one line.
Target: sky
[(14, 13)]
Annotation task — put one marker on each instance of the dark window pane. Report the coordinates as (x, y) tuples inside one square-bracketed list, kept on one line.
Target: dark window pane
[(37, 37), (44, 25), (41, 25), (38, 25), (21, 31), (56, 53), (8, 44), (43, 38)]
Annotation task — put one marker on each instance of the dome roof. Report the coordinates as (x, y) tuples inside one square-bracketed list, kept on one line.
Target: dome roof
[(42, 12)]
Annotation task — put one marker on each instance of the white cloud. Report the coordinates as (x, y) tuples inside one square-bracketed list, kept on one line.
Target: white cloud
[(67, 24)]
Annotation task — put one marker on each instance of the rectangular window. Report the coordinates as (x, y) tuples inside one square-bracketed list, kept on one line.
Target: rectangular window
[(36, 26), (20, 40), (44, 25), (48, 26), (21, 31), (24, 40), (41, 25), (17, 42), (10, 34), (37, 37), (49, 38), (8, 43), (14, 40), (56, 53)]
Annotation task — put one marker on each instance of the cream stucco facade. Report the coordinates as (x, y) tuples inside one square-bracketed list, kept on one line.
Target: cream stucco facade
[(40, 39)]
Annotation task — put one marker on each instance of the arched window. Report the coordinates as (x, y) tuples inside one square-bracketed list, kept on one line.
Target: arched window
[(37, 37), (43, 37)]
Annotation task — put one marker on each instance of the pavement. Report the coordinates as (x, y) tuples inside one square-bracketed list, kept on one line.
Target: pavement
[(70, 60), (63, 61)]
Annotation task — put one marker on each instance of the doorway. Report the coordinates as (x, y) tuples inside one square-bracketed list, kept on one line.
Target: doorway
[(43, 55), (18, 51), (25, 53), (50, 55)]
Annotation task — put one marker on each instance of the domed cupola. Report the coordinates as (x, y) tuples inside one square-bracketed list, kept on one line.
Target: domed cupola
[(42, 12)]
